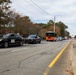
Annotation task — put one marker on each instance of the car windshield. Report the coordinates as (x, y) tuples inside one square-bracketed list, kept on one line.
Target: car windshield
[(31, 36), (1, 35), (5, 36), (50, 34)]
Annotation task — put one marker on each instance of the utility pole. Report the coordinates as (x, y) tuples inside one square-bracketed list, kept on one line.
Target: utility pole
[(54, 23)]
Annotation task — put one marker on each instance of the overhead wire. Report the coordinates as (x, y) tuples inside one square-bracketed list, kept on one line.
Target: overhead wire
[(36, 14), (39, 7), (27, 11), (36, 7)]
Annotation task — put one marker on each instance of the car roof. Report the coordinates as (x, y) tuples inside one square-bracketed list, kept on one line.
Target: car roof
[(33, 35), (7, 34)]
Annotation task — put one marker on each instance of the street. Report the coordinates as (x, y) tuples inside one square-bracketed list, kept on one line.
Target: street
[(33, 59)]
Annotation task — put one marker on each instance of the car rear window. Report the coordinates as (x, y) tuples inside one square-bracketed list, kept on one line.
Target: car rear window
[(32, 36)]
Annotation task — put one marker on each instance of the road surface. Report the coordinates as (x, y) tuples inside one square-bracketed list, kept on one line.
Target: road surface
[(34, 59)]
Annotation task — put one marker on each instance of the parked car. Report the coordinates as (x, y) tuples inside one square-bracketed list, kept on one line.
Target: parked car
[(9, 39), (59, 38), (33, 39)]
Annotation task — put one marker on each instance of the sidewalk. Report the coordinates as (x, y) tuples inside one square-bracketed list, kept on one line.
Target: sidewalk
[(74, 55)]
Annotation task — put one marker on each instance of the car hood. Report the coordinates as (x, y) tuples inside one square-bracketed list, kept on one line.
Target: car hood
[(1, 37), (29, 38)]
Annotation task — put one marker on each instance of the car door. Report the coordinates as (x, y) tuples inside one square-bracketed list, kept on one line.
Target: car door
[(12, 40), (18, 39)]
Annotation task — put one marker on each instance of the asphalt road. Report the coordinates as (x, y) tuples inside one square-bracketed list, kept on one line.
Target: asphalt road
[(33, 59)]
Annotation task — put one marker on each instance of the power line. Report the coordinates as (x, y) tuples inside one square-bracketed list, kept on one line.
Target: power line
[(35, 15), (28, 11), (40, 7), (35, 7), (32, 6)]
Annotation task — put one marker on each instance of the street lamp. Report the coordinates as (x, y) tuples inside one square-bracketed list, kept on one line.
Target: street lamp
[(54, 23)]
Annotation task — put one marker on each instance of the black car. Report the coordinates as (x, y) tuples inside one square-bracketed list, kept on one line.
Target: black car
[(33, 39), (11, 39)]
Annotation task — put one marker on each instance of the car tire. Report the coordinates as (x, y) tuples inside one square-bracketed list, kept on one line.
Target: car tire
[(5, 44), (21, 43), (39, 42)]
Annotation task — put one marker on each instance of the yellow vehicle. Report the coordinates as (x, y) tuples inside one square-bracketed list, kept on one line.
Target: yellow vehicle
[(51, 36)]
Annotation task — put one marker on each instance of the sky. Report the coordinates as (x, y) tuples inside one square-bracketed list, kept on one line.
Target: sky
[(41, 11)]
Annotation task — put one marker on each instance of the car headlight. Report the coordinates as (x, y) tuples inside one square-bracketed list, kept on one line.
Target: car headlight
[(0, 39)]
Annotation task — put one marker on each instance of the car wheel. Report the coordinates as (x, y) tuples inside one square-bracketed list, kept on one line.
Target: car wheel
[(21, 43), (39, 41), (6, 44)]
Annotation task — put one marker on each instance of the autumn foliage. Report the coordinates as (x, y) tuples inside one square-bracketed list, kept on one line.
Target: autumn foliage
[(10, 21)]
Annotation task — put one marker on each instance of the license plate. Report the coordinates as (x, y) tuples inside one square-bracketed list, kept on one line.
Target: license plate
[(12, 40)]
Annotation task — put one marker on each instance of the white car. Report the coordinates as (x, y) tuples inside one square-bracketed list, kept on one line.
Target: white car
[(59, 38)]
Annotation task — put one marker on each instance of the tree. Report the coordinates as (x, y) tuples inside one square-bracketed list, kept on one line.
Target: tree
[(24, 26), (62, 27), (50, 22), (75, 36), (4, 9)]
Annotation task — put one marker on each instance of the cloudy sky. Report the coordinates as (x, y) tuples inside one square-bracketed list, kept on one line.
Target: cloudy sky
[(41, 11)]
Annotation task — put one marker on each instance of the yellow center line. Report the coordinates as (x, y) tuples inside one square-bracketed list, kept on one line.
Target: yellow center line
[(55, 59)]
